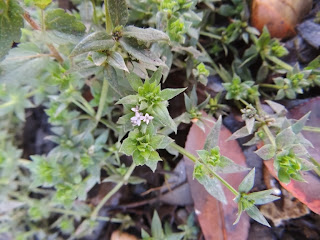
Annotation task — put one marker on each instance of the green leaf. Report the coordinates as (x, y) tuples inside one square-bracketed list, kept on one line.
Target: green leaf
[(255, 214), (140, 52), (156, 227), (134, 81), (213, 137), (11, 22), (298, 125), (285, 138), (283, 176), (144, 234), (97, 41), (148, 35), (278, 108), (242, 132), (130, 99), (128, 146), (169, 93), (116, 61), (213, 187), (262, 197), (162, 114), (266, 152), (247, 183), (118, 11), (42, 3), (226, 165), (156, 76), (59, 20)]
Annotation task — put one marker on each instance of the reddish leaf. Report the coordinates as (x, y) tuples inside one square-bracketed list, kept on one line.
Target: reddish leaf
[(307, 193), (280, 17), (216, 220)]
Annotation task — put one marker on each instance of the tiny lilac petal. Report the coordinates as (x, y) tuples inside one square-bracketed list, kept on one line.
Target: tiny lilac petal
[(136, 109)]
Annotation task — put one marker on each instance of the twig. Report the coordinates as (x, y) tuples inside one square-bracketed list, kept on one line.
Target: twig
[(35, 26)]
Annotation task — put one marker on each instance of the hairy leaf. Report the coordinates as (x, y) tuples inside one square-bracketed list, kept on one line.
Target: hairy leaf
[(10, 23), (140, 52), (148, 35), (97, 41), (59, 20), (118, 11)]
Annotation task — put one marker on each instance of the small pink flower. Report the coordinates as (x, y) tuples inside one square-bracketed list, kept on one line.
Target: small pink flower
[(136, 109), (147, 118), (136, 120)]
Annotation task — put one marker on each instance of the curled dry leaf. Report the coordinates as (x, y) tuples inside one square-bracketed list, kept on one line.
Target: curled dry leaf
[(280, 16), (118, 235)]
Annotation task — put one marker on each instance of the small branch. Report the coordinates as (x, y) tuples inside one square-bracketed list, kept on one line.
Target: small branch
[(317, 165), (35, 26), (266, 85), (108, 19), (124, 181), (195, 159), (103, 98), (311, 129), (280, 63)]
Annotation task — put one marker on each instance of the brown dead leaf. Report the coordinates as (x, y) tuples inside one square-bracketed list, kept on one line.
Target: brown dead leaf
[(118, 235), (280, 16), (216, 220), (307, 192), (291, 208)]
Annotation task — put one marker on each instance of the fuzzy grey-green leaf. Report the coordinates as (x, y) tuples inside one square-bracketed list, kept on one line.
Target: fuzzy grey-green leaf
[(213, 137), (266, 152), (118, 11), (247, 183), (145, 34)]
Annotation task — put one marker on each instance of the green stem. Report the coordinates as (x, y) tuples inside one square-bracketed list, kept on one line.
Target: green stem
[(280, 63), (108, 19), (203, 50), (113, 191), (43, 29), (95, 19), (195, 159), (269, 134), (266, 85), (214, 36), (244, 102), (102, 100), (311, 129), (317, 164), (74, 213)]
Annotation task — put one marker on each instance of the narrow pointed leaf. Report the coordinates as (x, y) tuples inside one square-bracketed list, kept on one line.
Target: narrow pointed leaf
[(162, 114), (170, 93), (255, 214), (247, 183), (213, 186), (116, 61), (213, 137), (298, 126), (266, 152)]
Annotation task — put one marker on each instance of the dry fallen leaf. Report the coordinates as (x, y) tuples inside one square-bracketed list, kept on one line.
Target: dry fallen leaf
[(280, 16), (118, 235), (216, 220)]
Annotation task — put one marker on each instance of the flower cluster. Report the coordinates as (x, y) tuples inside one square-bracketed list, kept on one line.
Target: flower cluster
[(138, 117)]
